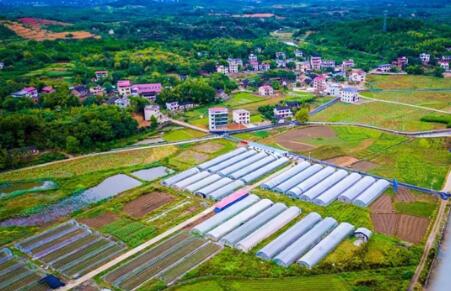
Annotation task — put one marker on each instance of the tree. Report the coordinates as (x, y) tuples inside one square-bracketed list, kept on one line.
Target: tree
[(138, 103), (72, 144), (302, 115), (153, 122), (438, 72)]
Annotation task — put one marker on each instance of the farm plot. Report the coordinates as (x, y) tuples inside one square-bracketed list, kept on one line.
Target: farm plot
[(147, 203), (168, 261), (71, 248), (16, 274)]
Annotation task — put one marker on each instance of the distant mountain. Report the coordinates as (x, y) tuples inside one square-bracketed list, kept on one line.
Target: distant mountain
[(73, 3)]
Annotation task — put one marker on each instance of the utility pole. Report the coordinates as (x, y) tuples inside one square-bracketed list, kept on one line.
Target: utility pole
[(384, 28)]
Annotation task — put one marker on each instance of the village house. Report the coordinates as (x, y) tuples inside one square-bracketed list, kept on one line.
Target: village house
[(2, 65), (80, 91), (122, 102), (333, 89), (281, 56), (252, 57), (222, 95), (357, 76), (349, 95), (153, 110), (281, 63), (319, 84), (148, 91), (425, 58), (327, 64), (253, 62), (385, 68), (234, 65), (101, 75), (282, 113), (265, 90), (241, 116), (401, 62), (175, 106), (347, 64), (47, 90), (28, 92), (97, 91), (444, 65), (298, 54), (218, 117), (315, 63), (172, 106), (222, 69), (303, 66), (124, 87), (264, 67)]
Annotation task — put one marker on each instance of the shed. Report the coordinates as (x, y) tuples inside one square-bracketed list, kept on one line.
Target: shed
[(52, 281), (363, 233)]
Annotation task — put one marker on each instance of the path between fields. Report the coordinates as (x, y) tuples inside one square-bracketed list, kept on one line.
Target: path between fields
[(405, 104), (132, 252), (185, 124), (433, 235), (120, 151)]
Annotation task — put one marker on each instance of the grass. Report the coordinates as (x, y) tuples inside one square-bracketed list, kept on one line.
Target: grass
[(407, 82), (133, 233), (417, 208), (182, 134), (391, 116), (242, 98), (436, 100)]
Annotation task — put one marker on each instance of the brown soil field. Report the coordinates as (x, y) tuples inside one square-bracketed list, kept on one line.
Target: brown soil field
[(99, 221), (404, 195), (147, 203), (192, 156), (386, 223), (412, 228), (343, 161), (382, 205), (200, 220), (140, 119), (363, 166), (208, 148), (294, 139)]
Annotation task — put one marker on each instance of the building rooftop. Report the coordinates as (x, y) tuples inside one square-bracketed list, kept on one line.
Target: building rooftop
[(124, 83)]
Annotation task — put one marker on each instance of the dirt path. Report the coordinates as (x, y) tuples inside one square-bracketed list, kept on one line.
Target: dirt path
[(431, 239), (184, 124)]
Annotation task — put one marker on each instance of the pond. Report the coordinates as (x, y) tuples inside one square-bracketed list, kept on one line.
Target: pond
[(152, 174), (110, 187), (10, 189), (440, 279)]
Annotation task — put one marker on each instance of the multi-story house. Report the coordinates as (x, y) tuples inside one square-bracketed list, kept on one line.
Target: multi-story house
[(241, 116), (349, 95), (319, 84), (265, 90), (148, 91), (234, 65), (124, 87), (357, 76), (315, 63), (218, 118), (425, 58)]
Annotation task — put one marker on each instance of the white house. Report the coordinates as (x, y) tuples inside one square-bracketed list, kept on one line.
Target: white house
[(222, 69), (122, 102), (425, 58), (234, 65), (241, 116), (347, 64), (281, 113), (172, 106), (218, 117), (2, 65), (357, 76), (333, 89), (384, 68), (444, 65), (265, 90), (327, 64), (349, 95), (153, 110), (100, 75), (264, 67)]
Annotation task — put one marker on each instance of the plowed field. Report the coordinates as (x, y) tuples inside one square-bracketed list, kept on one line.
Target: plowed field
[(147, 203)]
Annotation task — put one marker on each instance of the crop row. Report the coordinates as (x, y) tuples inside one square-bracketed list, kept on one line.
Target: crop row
[(161, 265), (43, 236), (61, 263), (74, 247), (56, 241), (145, 257)]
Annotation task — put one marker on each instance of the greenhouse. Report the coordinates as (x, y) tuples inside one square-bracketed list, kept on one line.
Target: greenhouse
[(241, 164), (322, 186), (221, 158), (179, 177), (354, 191), (225, 190), (285, 176), (192, 179), (202, 183), (231, 161), (289, 236), (214, 186), (298, 178), (332, 193), (372, 193), (251, 167), (264, 170), (308, 183)]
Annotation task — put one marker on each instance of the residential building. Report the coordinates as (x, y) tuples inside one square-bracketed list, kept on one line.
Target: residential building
[(357, 76), (186, 105), (28, 92), (149, 91), (349, 95), (124, 87), (252, 58), (385, 68), (319, 84), (241, 116), (401, 62), (172, 106), (122, 102), (222, 69), (97, 91), (100, 75), (327, 64), (444, 65), (281, 56), (2, 65), (315, 63), (264, 67), (333, 89), (281, 113), (218, 117), (347, 64), (253, 63), (47, 90), (425, 58), (281, 63), (298, 54), (153, 110), (80, 91), (234, 65), (265, 90)]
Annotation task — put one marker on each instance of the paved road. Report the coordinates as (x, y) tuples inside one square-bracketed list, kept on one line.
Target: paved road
[(405, 104), (433, 234), (132, 252)]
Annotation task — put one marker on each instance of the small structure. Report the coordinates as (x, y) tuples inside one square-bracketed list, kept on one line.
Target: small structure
[(52, 281), (222, 69), (347, 64), (298, 53), (425, 58), (97, 91), (124, 87), (401, 62), (264, 67), (218, 117), (101, 75), (349, 95), (384, 68), (29, 92), (241, 116), (253, 62), (80, 91), (122, 102), (149, 91), (265, 90), (153, 110), (2, 65), (363, 234), (281, 63), (47, 90), (444, 65), (357, 76), (172, 106)]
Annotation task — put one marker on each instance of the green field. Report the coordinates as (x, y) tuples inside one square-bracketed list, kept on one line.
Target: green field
[(242, 98), (407, 82), (182, 134), (431, 99)]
